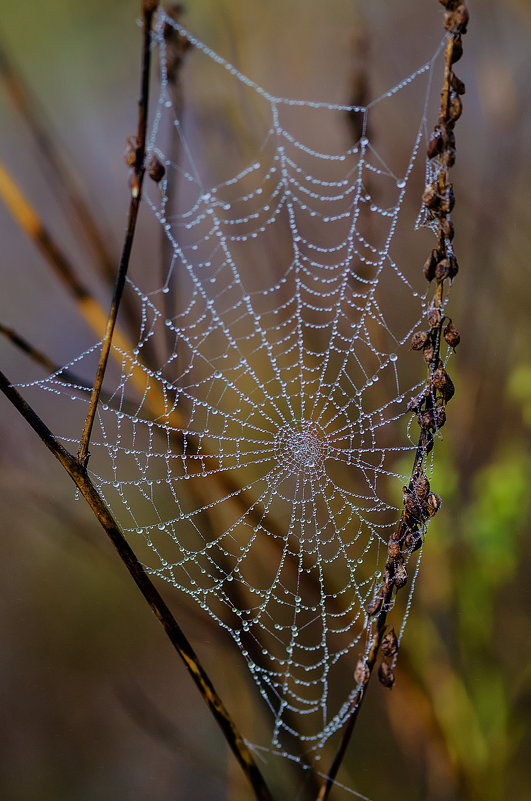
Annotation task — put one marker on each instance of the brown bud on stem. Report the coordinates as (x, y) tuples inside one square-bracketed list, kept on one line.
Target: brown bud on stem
[(389, 644), (419, 340), (434, 503), (362, 673), (386, 675), (451, 335), (434, 317), (443, 383), (157, 169)]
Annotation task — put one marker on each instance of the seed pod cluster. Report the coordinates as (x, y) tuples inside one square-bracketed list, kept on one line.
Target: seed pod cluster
[(420, 503)]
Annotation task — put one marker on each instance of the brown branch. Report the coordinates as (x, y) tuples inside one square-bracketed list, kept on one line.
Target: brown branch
[(79, 476), (419, 503), (148, 9)]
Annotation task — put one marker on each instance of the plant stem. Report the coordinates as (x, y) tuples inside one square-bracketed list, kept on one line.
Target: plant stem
[(134, 204), (79, 475)]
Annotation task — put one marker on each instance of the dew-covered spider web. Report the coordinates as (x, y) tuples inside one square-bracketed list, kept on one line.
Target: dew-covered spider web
[(254, 442)]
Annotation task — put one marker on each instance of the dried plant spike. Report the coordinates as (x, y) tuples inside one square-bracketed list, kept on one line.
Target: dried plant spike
[(389, 644), (386, 675)]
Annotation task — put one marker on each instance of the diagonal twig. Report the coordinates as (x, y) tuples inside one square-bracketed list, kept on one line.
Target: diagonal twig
[(78, 473)]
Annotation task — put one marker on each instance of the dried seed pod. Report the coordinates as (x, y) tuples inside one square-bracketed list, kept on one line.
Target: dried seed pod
[(448, 201), (130, 151), (430, 197), (447, 134), (454, 267), (157, 170), (451, 335), (430, 264), (447, 228), (386, 675), (375, 605), (435, 144), (393, 548), (442, 382), (446, 268), (440, 416), (411, 503), (449, 157), (412, 540), (361, 673), (457, 85), (418, 340), (461, 17), (434, 317), (389, 644), (433, 503), (400, 575), (429, 353), (421, 486), (426, 420), (457, 50), (455, 108), (442, 270)]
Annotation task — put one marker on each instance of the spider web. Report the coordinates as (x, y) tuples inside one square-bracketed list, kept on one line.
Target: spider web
[(258, 465)]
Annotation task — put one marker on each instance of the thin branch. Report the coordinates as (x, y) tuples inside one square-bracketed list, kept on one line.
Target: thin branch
[(368, 666), (148, 9), (78, 473)]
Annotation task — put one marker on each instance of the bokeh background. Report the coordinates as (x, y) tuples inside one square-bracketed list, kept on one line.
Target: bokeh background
[(94, 704)]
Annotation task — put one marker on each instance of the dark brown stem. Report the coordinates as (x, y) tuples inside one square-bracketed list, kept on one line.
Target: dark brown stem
[(78, 474), (136, 195)]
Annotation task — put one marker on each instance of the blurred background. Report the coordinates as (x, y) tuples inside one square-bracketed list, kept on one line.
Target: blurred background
[(94, 703)]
